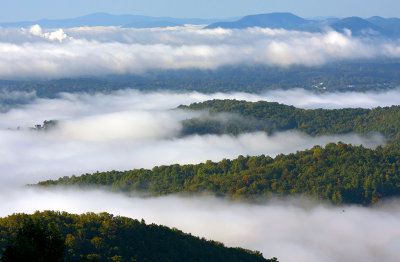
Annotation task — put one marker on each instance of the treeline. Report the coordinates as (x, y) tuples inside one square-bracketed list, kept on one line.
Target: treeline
[(341, 76), (271, 116), (338, 173), (104, 237)]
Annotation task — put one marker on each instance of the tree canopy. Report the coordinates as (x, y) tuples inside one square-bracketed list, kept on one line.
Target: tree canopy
[(104, 237), (272, 116), (338, 173)]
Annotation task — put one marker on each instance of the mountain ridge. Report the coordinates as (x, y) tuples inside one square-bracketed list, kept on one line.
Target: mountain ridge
[(375, 25), (105, 19)]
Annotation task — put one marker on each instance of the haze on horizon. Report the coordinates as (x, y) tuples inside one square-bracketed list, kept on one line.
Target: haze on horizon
[(11, 10)]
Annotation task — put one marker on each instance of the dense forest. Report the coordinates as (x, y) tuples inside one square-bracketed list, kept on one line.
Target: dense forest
[(338, 173), (341, 76), (44, 236), (271, 116)]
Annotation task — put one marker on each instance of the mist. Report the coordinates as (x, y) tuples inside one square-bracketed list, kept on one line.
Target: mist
[(292, 230), (97, 51), (129, 129)]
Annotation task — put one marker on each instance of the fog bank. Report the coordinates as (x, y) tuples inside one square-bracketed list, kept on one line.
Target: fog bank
[(55, 53), (295, 230), (129, 129)]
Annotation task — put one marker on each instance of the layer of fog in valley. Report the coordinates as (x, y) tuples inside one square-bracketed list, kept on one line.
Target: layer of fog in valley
[(129, 129), (292, 230), (97, 51)]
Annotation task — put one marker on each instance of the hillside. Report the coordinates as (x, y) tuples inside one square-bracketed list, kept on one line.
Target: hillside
[(104, 237), (271, 117), (338, 173)]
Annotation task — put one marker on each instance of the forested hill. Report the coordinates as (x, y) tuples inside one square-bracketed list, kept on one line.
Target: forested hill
[(271, 116), (104, 237), (338, 173)]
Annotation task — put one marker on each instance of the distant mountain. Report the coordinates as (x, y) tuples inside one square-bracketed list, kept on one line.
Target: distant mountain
[(357, 26), (389, 27), (104, 19), (273, 20), (151, 24)]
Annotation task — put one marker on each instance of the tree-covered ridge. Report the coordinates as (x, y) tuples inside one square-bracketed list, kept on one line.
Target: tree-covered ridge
[(104, 237), (272, 116), (338, 173)]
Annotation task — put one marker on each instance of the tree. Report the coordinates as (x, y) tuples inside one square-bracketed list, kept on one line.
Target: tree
[(35, 243)]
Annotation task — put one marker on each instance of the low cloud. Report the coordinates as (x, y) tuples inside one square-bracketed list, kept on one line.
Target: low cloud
[(130, 129), (9, 100), (57, 35), (100, 51), (296, 230)]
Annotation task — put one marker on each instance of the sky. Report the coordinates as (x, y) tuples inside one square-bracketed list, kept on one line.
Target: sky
[(17, 10)]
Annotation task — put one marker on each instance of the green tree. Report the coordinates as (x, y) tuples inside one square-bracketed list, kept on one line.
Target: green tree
[(35, 243)]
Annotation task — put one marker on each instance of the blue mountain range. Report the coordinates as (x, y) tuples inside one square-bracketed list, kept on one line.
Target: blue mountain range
[(358, 26), (377, 26), (104, 19)]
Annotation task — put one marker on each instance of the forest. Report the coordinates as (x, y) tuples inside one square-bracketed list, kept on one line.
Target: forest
[(338, 173), (272, 116), (59, 236)]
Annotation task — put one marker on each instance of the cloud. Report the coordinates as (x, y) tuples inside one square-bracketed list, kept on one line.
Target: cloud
[(292, 230), (129, 129), (57, 35), (12, 99), (111, 50), (309, 100)]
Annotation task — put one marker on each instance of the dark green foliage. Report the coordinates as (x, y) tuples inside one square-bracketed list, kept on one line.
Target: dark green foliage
[(338, 173), (104, 237), (271, 116), (35, 242)]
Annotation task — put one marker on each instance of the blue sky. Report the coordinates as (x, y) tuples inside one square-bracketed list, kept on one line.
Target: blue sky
[(16, 10)]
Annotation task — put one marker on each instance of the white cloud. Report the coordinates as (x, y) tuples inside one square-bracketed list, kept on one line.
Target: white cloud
[(294, 230), (57, 35), (112, 50), (129, 129)]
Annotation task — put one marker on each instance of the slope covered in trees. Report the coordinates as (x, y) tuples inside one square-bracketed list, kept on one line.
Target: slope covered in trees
[(104, 237), (271, 116), (338, 173)]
